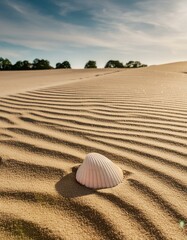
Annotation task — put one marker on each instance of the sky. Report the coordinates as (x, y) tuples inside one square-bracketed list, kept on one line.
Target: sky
[(150, 31)]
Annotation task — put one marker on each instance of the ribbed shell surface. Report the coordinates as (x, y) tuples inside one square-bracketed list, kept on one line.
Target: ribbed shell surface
[(97, 171)]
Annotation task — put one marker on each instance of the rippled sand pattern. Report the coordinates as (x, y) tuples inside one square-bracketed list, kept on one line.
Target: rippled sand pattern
[(137, 118)]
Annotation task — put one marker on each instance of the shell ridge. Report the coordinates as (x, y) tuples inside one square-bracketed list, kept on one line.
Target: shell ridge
[(87, 172), (100, 174), (84, 175), (108, 173), (104, 175), (114, 173), (94, 164), (78, 174), (81, 175), (96, 172), (90, 176), (121, 173)]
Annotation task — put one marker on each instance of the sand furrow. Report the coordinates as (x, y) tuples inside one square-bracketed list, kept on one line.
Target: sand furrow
[(123, 120), (21, 228), (154, 196), (143, 149), (96, 223), (171, 139), (131, 146), (152, 231), (96, 125), (160, 145), (40, 150)]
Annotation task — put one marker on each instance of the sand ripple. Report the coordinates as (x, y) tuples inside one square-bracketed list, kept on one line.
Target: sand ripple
[(136, 118)]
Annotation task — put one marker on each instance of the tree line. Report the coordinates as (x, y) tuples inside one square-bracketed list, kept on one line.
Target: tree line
[(39, 64)]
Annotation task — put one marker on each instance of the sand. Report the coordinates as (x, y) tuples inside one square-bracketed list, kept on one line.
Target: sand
[(50, 120)]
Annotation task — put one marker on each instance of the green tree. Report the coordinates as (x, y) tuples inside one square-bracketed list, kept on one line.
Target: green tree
[(58, 65), (129, 64), (1, 63), (114, 64), (26, 65), (91, 64), (135, 64), (6, 64), (65, 64), (35, 64), (22, 65), (41, 64), (18, 65)]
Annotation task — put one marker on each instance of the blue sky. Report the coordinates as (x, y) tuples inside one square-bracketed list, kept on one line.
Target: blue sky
[(150, 31)]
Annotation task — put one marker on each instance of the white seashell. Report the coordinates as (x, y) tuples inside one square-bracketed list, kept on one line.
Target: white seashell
[(97, 171)]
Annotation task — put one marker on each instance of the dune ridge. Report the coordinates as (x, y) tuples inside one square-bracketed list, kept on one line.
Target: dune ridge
[(137, 118)]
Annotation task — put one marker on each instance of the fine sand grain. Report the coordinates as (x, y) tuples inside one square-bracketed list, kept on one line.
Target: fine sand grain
[(50, 120)]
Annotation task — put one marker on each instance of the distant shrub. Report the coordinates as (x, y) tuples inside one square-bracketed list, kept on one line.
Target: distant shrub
[(41, 64), (5, 64), (114, 64), (134, 64), (64, 64), (22, 65), (91, 64)]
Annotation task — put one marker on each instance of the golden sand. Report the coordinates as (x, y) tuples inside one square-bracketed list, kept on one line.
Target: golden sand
[(50, 120)]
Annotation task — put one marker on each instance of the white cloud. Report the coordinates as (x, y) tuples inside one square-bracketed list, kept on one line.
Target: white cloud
[(148, 26), (10, 53)]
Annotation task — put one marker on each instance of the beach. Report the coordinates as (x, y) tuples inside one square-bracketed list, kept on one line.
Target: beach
[(51, 119)]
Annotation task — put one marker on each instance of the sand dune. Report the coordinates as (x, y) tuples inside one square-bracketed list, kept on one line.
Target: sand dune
[(180, 67), (49, 121)]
